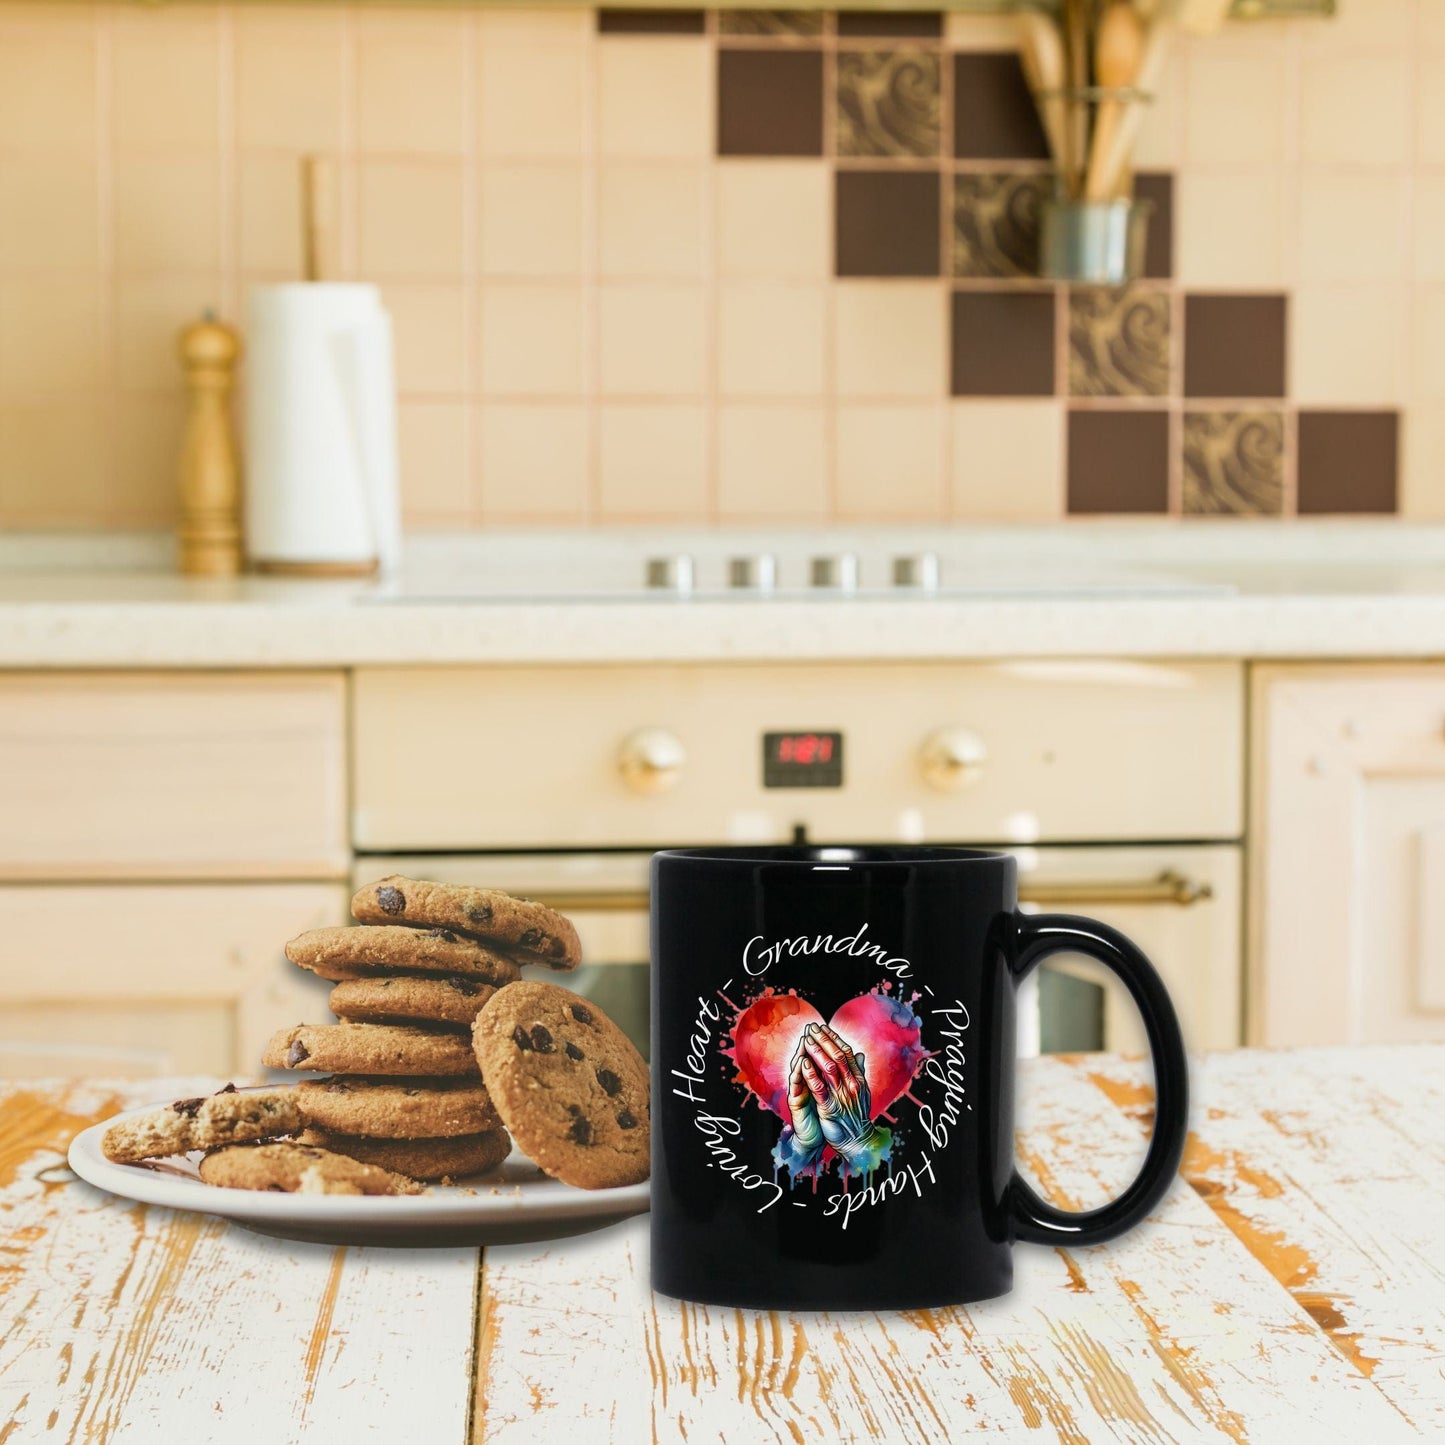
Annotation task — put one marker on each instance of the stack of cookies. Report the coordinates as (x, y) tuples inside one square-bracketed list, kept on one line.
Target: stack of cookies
[(411, 976)]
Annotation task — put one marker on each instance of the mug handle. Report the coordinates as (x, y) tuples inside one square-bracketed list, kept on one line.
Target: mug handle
[(1035, 1220)]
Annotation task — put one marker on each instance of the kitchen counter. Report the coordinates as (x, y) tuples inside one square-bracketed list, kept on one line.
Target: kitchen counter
[(1288, 1288), (1324, 590)]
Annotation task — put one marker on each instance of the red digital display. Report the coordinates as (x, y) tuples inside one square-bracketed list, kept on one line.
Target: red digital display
[(805, 749), (803, 760)]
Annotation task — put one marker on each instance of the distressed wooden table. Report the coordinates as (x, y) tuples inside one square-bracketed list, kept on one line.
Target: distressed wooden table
[(1290, 1288)]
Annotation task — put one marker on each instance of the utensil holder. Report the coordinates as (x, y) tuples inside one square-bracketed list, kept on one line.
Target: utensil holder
[(1098, 243)]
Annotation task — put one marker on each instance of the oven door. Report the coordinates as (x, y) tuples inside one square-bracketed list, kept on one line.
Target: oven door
[(1180, 903)]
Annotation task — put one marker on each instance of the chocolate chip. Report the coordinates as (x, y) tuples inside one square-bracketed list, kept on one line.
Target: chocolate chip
[(253, 1116), (312, 1153), (188, 1107), (626, 1120), (611, 1084), (581, 1014), (573, 1052), (542, 1040), (445, 933), (337, 1086), (391, 901), (574, 1109), (521, 1038), (580, 1132), (229, 1089), (531, 938), (276, 1188), (465, 986), (387, 982), (297, 1053), (479, 913)]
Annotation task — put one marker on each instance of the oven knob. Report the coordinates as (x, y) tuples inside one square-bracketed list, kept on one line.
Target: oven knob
[(952, 758), (651, 760)]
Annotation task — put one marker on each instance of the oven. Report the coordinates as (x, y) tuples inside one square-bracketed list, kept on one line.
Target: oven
[(1116, 785)]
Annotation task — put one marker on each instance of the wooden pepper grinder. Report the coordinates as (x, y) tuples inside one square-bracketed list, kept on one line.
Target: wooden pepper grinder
[(210, 527)]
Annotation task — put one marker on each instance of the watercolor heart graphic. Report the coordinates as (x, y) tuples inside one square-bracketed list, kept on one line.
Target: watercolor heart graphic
[(884, 1030)]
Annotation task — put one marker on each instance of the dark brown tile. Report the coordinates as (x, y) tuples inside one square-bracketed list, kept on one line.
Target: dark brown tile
[(1118, 461), (1003, 343), (770, 103), (889, 103), (1233, 463), (1234, 346), (993, 113), (996, 224), (887, 223), (650, 22), (887, 23), (1348, 461), (781, 23), (1119, 341), (1157, 187)]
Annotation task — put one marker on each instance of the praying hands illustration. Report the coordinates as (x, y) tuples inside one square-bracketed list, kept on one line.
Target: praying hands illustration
[(829, 1105)]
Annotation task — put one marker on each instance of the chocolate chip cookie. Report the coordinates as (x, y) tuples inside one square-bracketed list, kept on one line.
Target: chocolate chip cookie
[(453, 1158), (349, 1048), (233, 1116), (299, 1168), (362, 952), (534, 932), (453, 1002), (568, 1083), (397, 1108)]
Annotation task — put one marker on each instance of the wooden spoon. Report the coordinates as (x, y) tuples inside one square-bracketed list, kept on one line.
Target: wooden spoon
[(1118, 54), (1041, 52)]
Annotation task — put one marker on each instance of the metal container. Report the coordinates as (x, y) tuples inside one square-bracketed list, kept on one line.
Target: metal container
[(1099, 243)]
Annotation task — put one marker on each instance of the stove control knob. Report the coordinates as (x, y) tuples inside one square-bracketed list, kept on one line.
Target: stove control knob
[(837, 573), (758, 573), (918, 570), (651, 760), (952, 758), (670, 574)]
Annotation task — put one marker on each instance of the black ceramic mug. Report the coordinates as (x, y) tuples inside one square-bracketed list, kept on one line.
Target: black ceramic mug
[(833, 1076)]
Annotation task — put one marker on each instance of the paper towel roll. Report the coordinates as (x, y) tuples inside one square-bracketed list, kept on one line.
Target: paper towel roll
[(321, 467)]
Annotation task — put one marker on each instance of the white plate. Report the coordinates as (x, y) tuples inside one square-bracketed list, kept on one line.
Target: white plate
[(513, 1204)]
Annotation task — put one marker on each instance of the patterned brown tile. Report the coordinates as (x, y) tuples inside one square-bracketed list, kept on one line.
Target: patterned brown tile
[(1118, 341), (889, 103), (1234, 346), (996, 224), (770, 103), (1118, 461), (993, 113), (927, 24), (650, 22), (1233, 463), (1348, 461), (1003, 343), (770, 22), (1157, 187), (887, 223)]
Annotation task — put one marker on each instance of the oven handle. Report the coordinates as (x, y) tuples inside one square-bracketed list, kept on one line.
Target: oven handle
[(1170, 887)]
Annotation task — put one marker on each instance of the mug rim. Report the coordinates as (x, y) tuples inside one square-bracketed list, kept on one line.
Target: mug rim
[(814, 855)]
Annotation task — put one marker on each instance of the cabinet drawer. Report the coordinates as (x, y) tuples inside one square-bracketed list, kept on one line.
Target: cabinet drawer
[(155, 977), (180, 776)]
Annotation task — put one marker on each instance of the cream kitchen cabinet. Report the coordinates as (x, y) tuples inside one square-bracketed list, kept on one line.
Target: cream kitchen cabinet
[(1347, 886)]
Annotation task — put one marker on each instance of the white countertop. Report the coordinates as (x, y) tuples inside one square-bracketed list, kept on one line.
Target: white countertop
[(1229, 590)]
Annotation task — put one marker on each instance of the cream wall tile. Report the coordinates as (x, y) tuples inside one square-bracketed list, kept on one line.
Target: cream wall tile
[(48, 82), (654, 97), (534, 25), (1427, 324), (52, 331), (771, 338), (413, 80), (49, 214), (1347, 346), (1431, 25), (651, 220), (890, 339), (148, 434), (1355, 110), (268, 213), (532, 102), (1422, 463), (1352, 227), (432, 337), (772, 464), (1229, 228), (1430, 110), (1007, 460), (1235, 107), (52, 463), (535, 463), (774, 219), (652, 462), (1428, 248), (411, 218), (433, 442), (533, 339), (651, 340), (965, 31), (890, 462), (290, 64), (167, 213), (165, 77), (1160, 142), (532, 219), (1359, 25), (150, 313)]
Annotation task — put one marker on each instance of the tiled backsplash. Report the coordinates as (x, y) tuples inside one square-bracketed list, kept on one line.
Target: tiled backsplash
[(746, 266)]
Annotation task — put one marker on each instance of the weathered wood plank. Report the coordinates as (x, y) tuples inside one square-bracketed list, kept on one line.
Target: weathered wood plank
[(1174, 1333), (120, 1322)]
